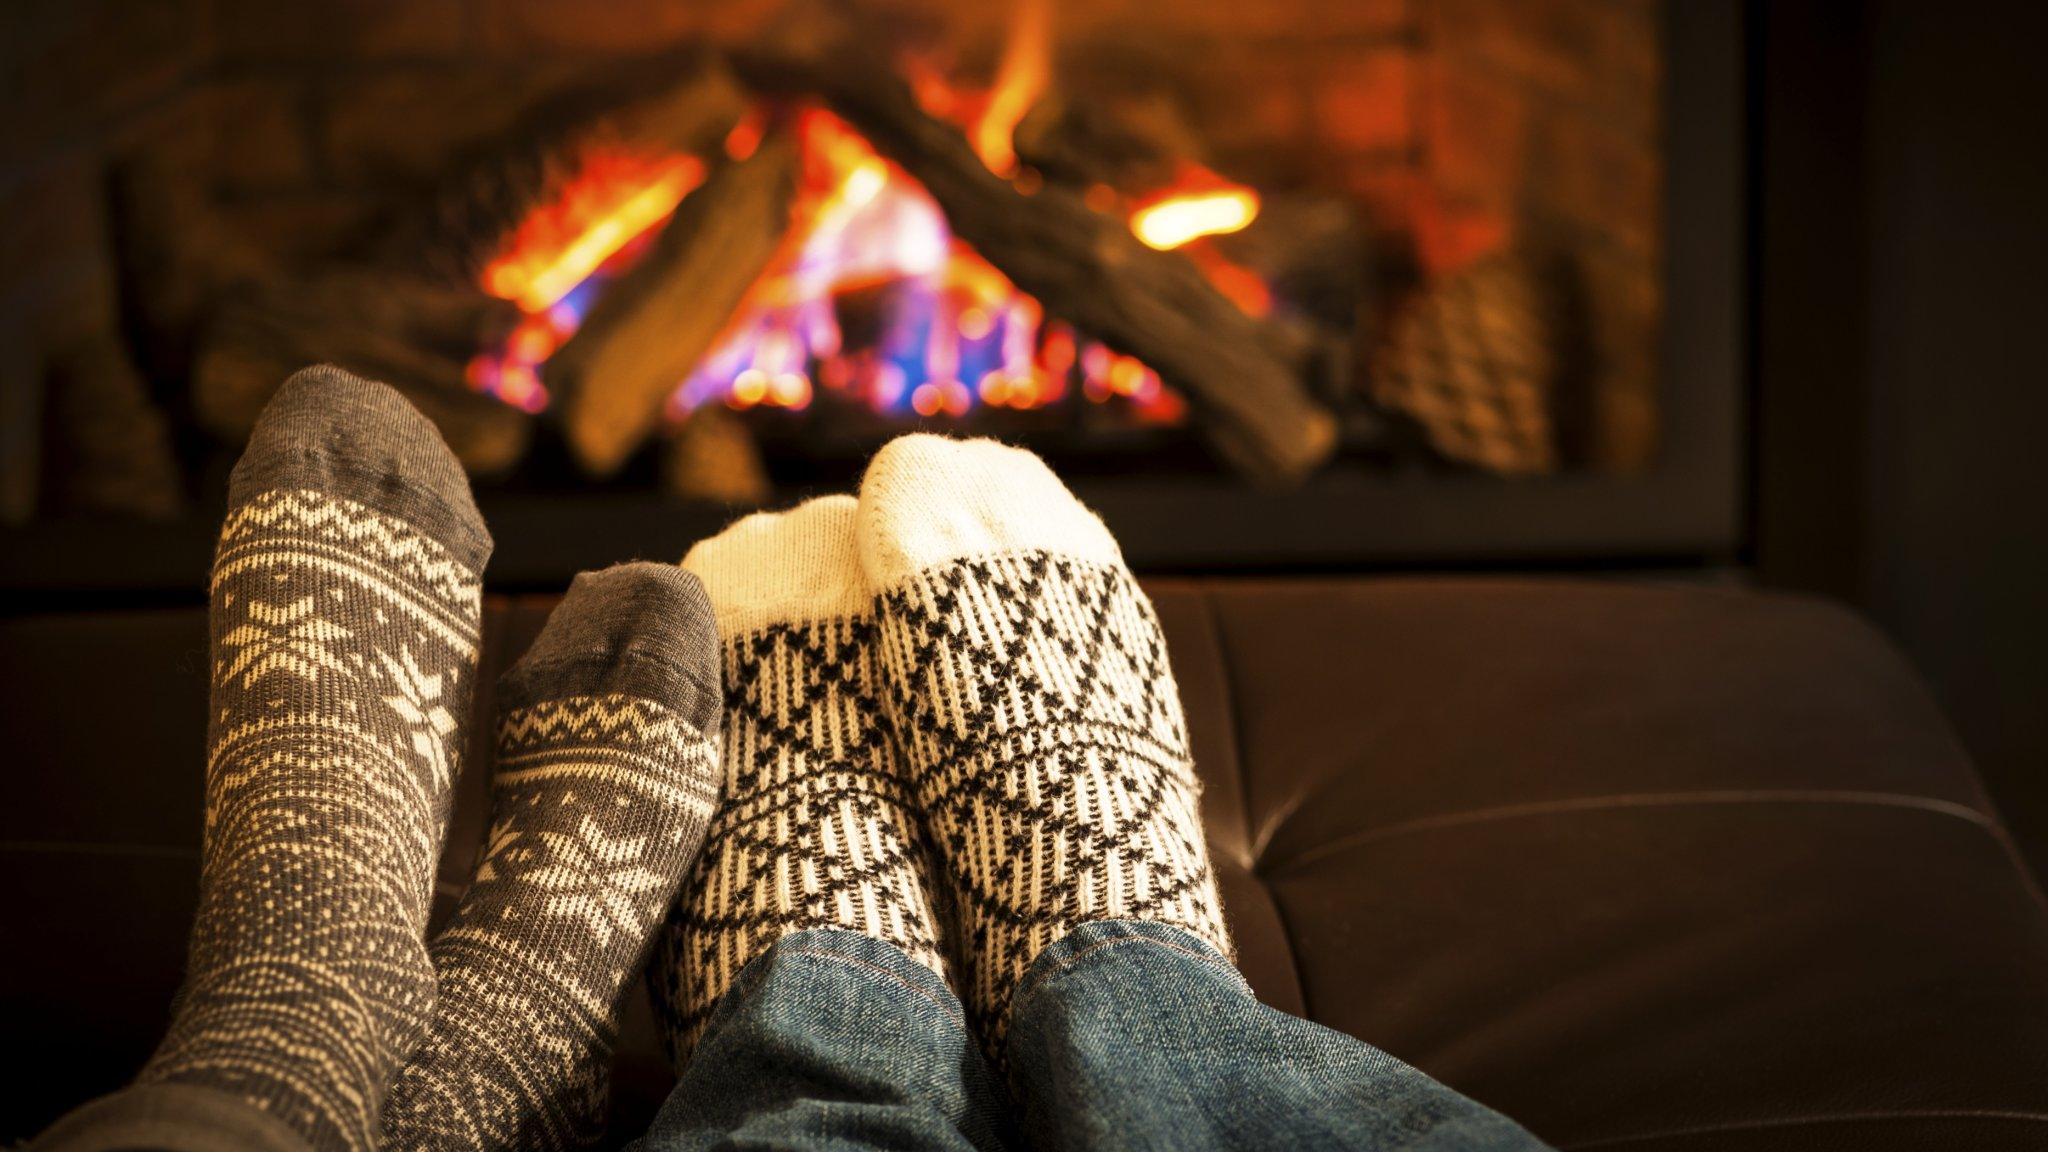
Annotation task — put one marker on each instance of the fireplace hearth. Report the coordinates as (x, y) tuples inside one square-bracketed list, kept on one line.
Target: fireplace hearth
[(1441, 282)]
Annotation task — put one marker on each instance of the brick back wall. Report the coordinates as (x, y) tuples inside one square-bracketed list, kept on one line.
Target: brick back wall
[(308, 121)]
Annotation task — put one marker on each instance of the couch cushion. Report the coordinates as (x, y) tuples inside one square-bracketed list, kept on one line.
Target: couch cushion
[(1645, 868), (1642, 867)]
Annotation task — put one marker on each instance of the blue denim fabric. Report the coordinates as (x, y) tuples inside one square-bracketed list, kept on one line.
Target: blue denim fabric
[(1136, 1036), (1124, 1035), (834, 1040)]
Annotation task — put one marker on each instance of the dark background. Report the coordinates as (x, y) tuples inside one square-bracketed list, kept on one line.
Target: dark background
[(1900, 311)]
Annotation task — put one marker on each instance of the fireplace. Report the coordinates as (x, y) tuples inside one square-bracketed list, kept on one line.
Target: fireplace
[(1416, 282)]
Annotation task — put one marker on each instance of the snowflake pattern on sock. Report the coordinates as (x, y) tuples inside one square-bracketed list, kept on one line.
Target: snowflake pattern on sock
[(345, 644), (598, 806)]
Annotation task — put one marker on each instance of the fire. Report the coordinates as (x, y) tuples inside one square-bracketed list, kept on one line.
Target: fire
[(1020, 81), (873, 302), (613, 200), (943, 330), (1176, 220), (562, 254)]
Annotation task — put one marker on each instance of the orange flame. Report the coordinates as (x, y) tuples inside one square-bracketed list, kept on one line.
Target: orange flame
[(613, 199), (1020, 81)]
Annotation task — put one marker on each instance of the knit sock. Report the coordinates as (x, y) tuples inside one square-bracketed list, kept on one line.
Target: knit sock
[(345, 604), (1027, 680), (606, 777), (814, 830)]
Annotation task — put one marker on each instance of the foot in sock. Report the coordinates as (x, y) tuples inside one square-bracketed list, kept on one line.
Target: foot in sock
[(814, 830), (1026, 678), (606, 778), (344, 614)]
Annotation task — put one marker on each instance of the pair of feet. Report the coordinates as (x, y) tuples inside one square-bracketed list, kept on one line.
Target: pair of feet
[(952, 676)]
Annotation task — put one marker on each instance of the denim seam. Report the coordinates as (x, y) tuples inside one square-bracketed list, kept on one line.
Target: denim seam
[(959, 1020), (1061, 965)]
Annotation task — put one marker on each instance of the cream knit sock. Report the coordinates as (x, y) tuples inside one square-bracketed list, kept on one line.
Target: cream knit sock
[(1026, 677), (814, 830), (605, 781)]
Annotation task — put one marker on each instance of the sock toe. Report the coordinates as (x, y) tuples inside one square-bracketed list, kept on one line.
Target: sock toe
[(777, 567), (333, 432), (642, 629), (927, 500)]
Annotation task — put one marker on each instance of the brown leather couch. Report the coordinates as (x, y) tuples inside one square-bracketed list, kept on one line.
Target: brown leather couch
[(1646, 868)]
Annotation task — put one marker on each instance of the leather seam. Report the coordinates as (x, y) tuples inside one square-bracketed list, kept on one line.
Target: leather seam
[(101, 848), (1801, 1121), (1627, 800), (1239, 777), (1253, 865)]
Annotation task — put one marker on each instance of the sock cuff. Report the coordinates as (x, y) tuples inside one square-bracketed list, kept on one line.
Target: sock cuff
[(333, 432), (927, 500), (783, 567), (170, 1118), (642, 629)]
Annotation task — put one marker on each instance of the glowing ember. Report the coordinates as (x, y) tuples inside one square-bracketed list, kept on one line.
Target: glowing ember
[(1176, 220)]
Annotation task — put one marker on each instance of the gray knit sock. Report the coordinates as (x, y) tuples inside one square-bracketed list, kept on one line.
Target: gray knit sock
[(345, 604), (606, 777)]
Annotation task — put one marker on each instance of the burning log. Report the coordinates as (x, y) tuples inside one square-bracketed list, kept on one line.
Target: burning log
[(1084, 267), (415, 335), (1137, 149), (671, 105), (654, 324), (1312, 251)]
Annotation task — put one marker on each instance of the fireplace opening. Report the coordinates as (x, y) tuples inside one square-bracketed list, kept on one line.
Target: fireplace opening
[(1426, 281)]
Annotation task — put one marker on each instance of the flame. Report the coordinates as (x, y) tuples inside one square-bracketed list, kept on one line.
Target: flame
[(559, 258), (1020, 81), (872, 301), (1176, 220), (955, 332), (747, 132), (612, 200)]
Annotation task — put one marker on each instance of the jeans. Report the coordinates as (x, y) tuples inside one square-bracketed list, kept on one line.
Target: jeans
[(1124, 1035)]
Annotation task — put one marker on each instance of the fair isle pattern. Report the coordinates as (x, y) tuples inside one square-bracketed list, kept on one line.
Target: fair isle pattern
[(598, 804), (354, 542), (1046, 740), (344, 652), (815, 830)]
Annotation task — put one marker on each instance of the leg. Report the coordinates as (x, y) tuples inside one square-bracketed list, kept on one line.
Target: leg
[(606, 778), (1137, 1035), (1027, 678), (801, 979), (834, 1040), (345, 604)]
